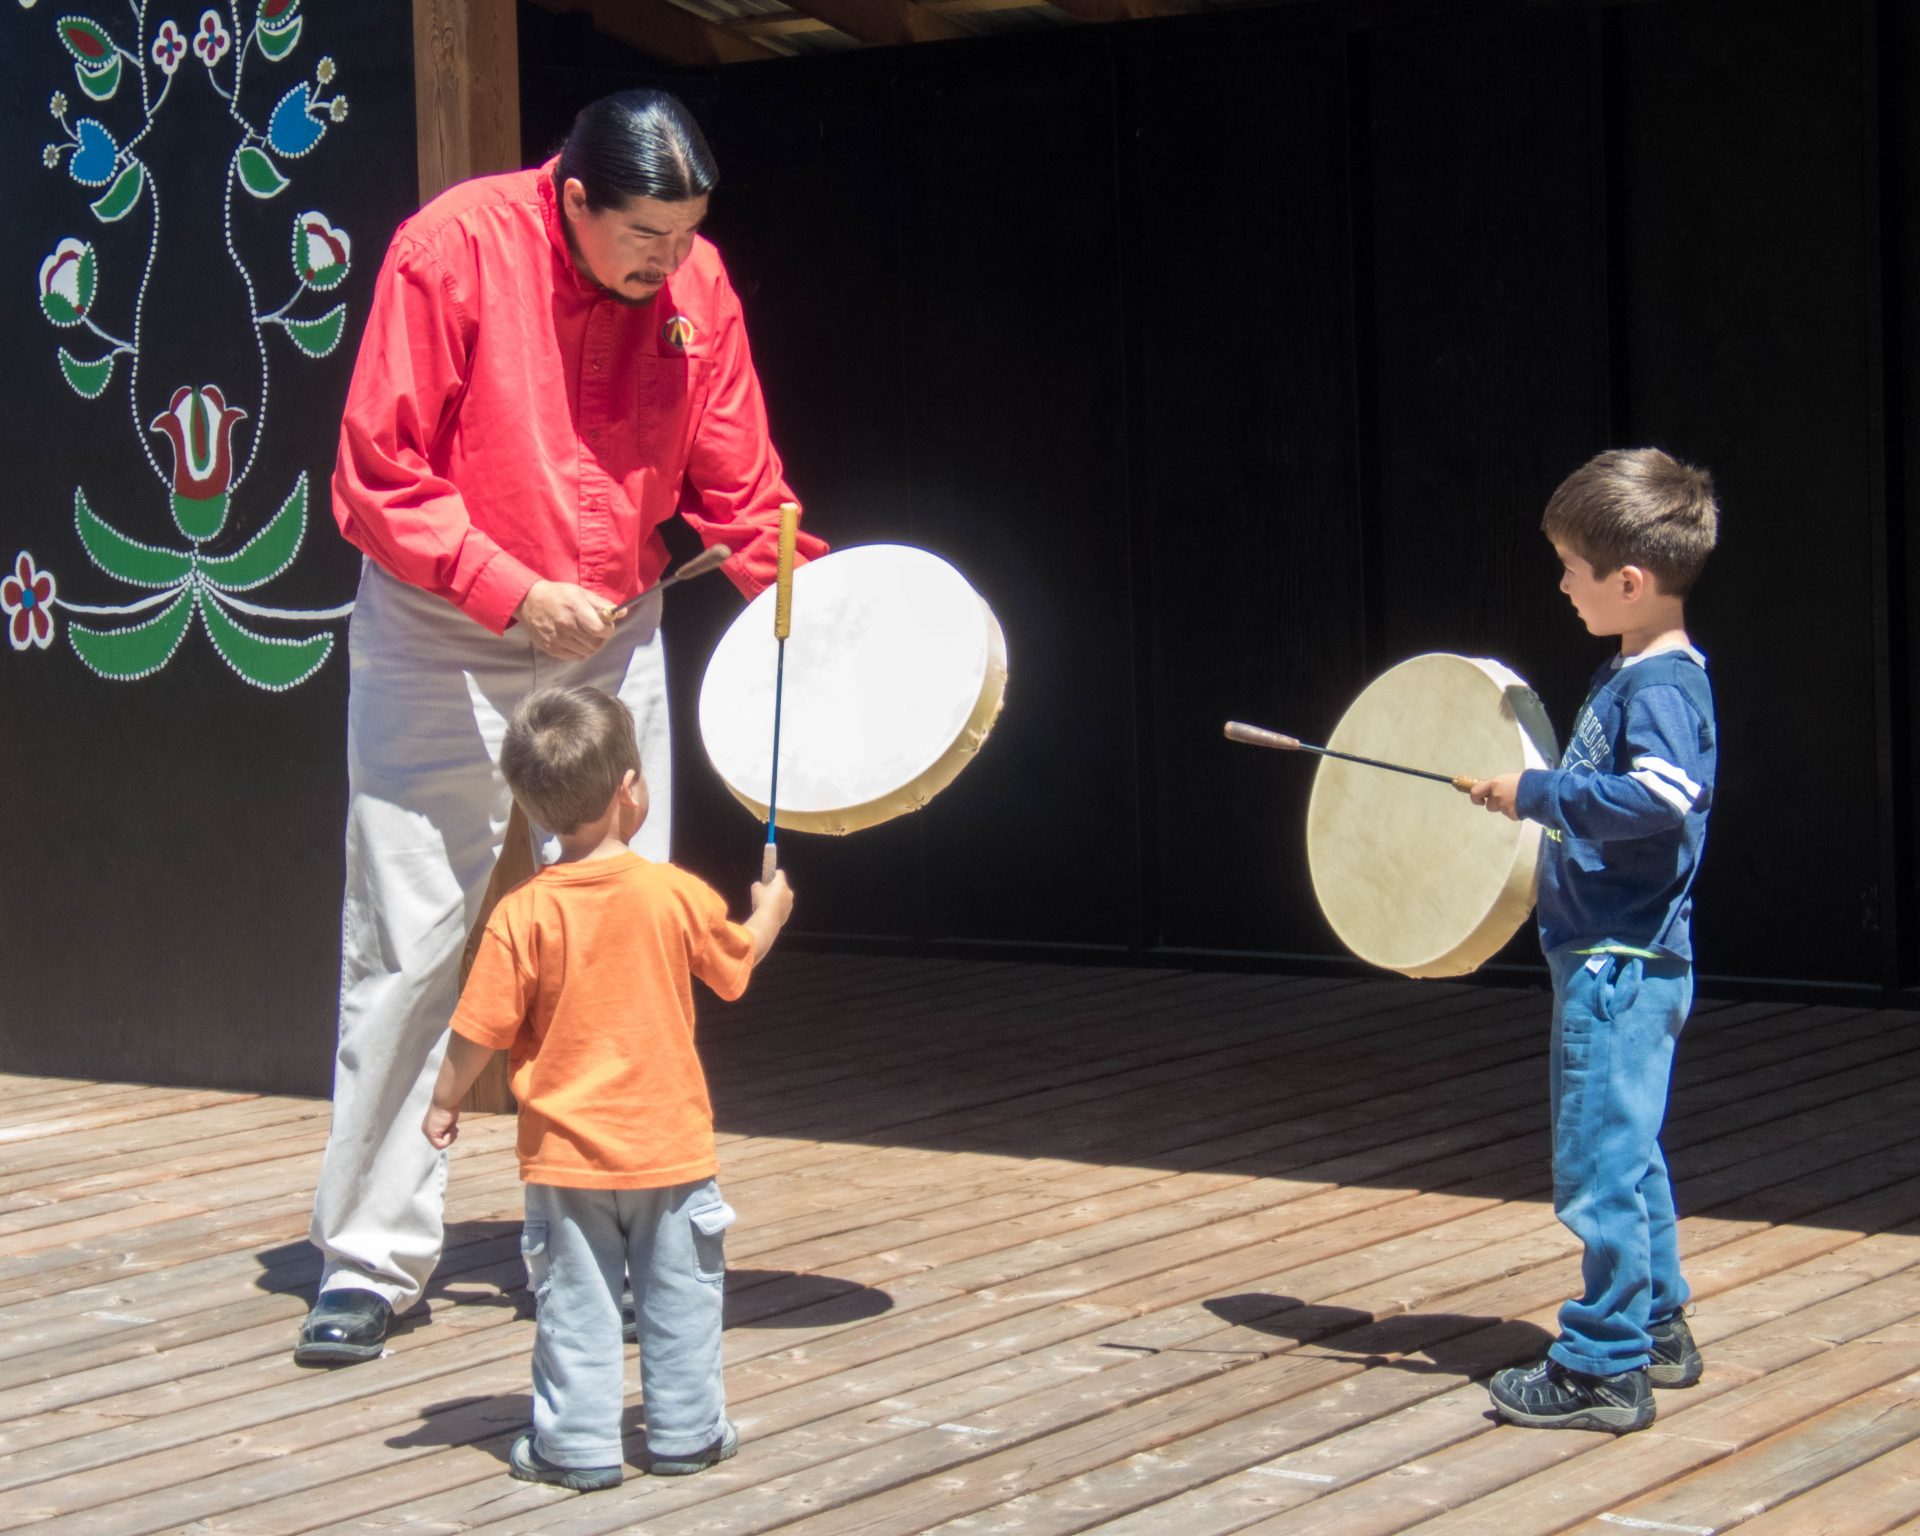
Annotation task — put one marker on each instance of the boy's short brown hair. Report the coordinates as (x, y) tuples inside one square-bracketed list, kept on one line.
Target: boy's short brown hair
[(565, 754), (1637, 506)]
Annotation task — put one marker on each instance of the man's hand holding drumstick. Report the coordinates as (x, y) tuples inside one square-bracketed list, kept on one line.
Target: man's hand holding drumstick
[(567, 622)]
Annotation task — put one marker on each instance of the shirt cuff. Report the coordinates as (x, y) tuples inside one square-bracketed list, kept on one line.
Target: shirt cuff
[(499, 588), (738, 571), (1532, 797)]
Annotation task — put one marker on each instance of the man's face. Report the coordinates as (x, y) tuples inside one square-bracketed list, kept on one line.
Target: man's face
[(632, 250)]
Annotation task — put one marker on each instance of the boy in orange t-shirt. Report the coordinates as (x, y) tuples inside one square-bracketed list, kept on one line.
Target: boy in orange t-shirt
[(586, 974)]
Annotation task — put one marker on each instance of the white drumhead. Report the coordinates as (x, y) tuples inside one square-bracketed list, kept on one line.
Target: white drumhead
[(1413, 876), (895, 670)]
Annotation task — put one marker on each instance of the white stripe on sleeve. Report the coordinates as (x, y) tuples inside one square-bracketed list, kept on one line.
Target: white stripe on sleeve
[(1666, 791), (1667, 771)]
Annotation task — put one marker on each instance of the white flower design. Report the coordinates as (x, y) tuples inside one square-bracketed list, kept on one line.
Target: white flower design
[(169, 47), (213, 39)]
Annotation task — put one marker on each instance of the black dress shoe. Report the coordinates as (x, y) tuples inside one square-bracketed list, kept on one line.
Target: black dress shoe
[(345, 1325)]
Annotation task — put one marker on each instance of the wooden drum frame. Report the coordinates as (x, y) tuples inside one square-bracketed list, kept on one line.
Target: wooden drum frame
[(1410, 873)]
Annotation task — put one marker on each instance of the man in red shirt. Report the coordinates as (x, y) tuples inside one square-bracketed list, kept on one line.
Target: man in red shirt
[(554, 364)]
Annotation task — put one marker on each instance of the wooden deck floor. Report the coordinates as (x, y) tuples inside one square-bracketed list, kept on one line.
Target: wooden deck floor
[(1023, 1249)]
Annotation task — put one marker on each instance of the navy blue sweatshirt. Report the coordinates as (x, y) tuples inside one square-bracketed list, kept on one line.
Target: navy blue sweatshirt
[(1626, 810)]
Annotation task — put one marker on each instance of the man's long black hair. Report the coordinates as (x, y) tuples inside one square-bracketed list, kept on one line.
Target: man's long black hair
[(639, 143)]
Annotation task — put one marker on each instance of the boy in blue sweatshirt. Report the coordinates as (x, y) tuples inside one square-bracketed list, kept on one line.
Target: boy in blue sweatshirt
[(1626, 817)]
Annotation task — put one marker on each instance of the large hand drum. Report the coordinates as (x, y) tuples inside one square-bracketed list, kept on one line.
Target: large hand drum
[(895, 672), (1412, 875)]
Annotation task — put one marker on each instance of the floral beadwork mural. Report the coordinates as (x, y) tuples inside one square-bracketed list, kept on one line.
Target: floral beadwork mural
[(184, 128)]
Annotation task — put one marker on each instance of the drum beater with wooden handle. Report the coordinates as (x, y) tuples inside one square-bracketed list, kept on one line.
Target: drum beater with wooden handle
[(782, 627), (1255, 736)]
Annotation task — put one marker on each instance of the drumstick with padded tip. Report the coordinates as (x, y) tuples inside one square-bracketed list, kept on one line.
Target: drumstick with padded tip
[(708, 559), (782, 627), (1255, 736)]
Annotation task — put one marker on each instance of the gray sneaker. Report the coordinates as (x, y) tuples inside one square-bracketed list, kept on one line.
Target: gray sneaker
[(1549, 1396), (699, 1461), (1676, 1358), (527, 1464)]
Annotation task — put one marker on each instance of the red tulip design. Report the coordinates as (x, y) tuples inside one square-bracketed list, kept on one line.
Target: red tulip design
[(199, 424)]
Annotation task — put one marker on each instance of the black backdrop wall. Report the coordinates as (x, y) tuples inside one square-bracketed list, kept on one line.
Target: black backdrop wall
[(1232, 358), (170, 895)]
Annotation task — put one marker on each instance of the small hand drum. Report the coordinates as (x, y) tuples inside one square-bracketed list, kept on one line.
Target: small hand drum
[(1412, 875), (895, 673)]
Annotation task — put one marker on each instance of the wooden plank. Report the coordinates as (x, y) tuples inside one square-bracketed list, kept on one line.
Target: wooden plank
[(466, 82), (1863, 1501), (1615, 1472), (1776, 1471), (738, 1373), (1328, 1207), (884, 23), (132, 1108), (1382, 1458), (1119, 10)]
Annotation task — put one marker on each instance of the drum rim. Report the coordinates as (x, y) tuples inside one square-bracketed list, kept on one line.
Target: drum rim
[(1516, 887), (942, 768)]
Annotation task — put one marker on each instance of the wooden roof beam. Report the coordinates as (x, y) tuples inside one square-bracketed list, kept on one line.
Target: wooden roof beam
[(1120, 10), (883, 22)]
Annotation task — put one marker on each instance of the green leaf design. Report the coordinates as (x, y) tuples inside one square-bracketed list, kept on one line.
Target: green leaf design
[(277, 42), (56, 308), (143, 565), (268, 552), (118, 200), (259, 175), (87, 41), (317, 338), (266, 663), (99, 83), (200, 517), (89, 380), (138, 651)]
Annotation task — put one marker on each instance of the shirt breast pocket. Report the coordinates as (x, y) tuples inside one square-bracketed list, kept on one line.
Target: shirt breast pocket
[(667, 397)]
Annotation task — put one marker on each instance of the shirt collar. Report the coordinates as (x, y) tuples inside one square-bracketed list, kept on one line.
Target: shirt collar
[(1619, 663), (557, 230)]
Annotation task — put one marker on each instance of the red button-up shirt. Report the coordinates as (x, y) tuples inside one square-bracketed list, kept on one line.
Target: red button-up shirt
[(509, 421)]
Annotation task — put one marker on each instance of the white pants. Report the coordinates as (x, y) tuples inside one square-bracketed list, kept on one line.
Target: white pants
[(430, 696)]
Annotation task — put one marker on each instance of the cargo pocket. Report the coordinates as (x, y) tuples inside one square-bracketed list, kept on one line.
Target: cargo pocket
[(710, 1225), (533, 1253)]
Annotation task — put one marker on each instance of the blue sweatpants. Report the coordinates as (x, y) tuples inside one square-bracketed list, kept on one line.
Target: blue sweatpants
[(1616, 1020), (578, 1244)]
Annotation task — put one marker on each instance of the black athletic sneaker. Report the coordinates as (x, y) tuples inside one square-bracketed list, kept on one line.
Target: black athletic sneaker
[(527, 1464), (1676, 1358), (1549, 1396)]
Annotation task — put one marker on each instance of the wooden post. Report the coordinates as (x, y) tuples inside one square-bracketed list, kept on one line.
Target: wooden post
[(466, 90), (466, 94)]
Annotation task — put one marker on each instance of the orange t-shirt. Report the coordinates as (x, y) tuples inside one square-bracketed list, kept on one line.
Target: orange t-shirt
[(585, 974)]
